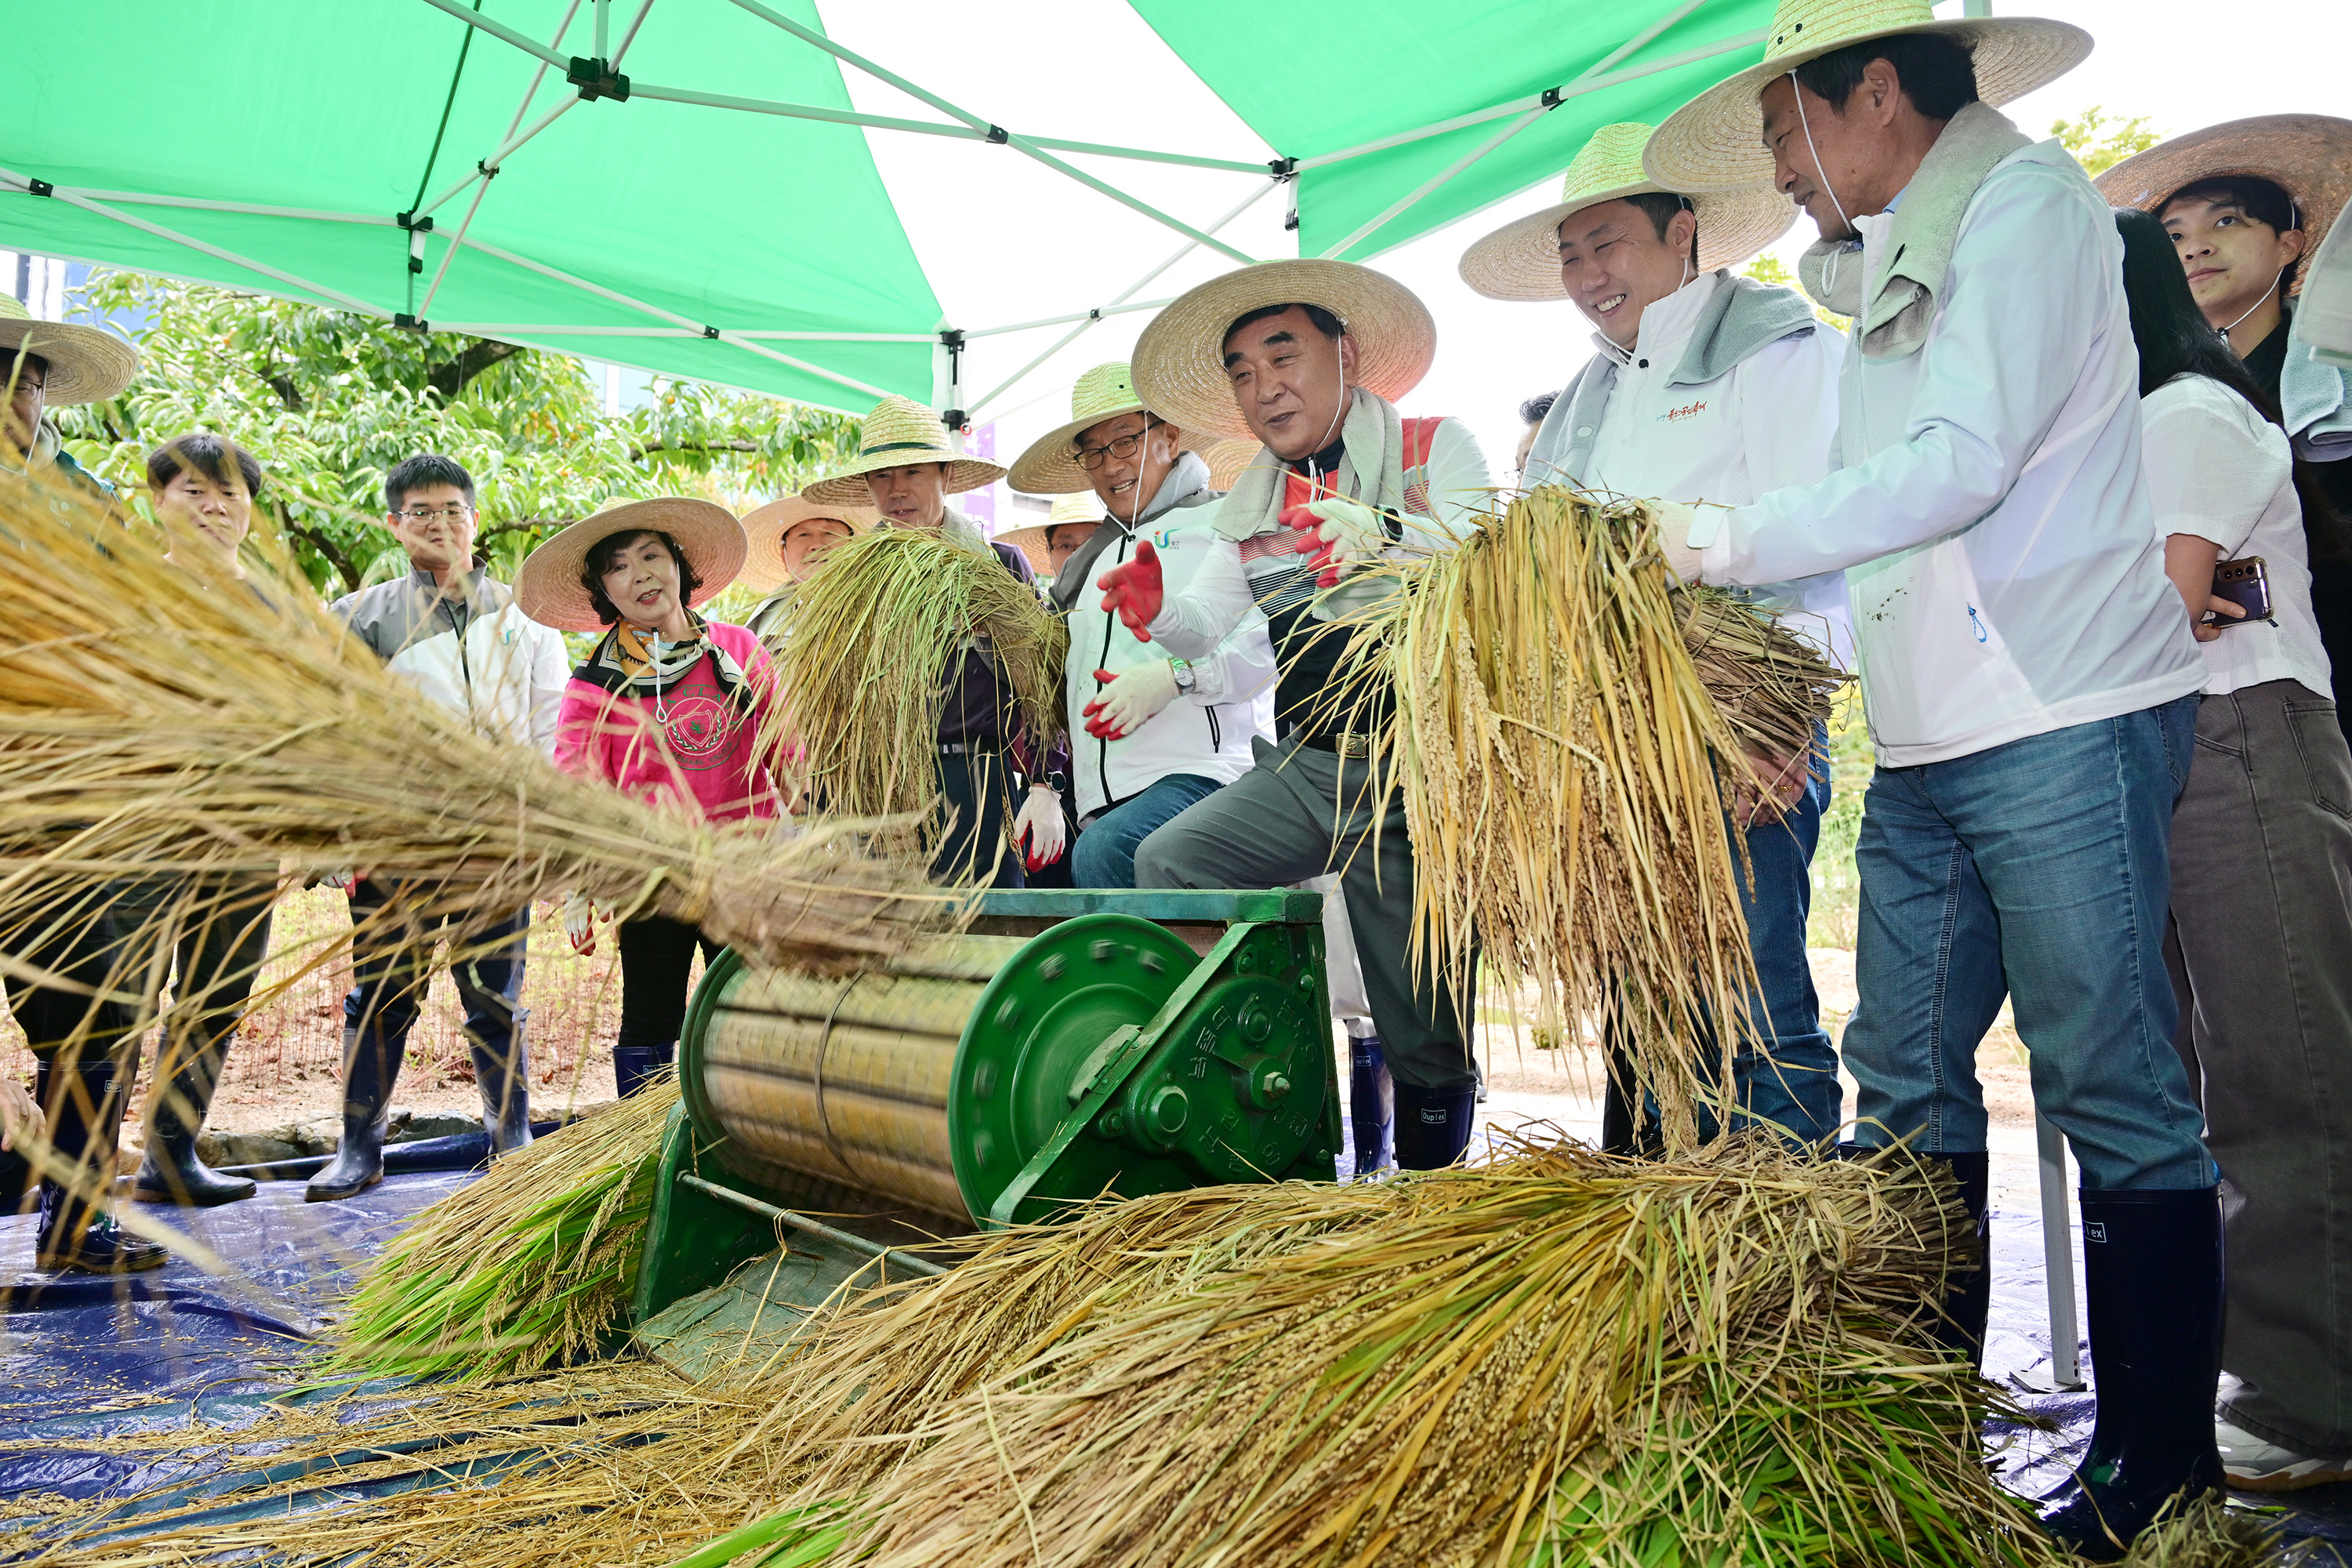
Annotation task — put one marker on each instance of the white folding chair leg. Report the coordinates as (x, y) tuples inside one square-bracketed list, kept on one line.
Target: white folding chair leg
[(2058, 1256)]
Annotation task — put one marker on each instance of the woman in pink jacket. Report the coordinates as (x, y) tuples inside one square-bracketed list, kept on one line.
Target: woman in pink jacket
[(665, 708)]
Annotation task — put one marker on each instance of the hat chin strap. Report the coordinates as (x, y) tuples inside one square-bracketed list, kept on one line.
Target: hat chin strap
[(1797, 89), (2253, 308)]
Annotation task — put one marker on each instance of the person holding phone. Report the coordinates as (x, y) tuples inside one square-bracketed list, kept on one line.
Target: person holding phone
[(2260, 944)]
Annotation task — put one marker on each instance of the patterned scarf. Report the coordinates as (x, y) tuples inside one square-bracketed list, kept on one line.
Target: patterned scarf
[(634, 663)]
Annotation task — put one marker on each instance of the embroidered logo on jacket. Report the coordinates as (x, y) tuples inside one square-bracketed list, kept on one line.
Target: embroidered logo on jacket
[(1687, 411)]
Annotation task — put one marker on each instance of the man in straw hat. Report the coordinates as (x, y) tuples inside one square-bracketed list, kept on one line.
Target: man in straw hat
[(2248, 203), (787, 539), (2029, 674), (906, 468), (2244, 203), (51, 364), (456, 633), (1162, 732), (1306, 356), (1070, 521), (1704, 386)]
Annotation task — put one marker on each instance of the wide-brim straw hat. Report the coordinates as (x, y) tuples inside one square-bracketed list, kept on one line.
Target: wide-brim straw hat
[(548, 588), (1080, 506), (899, 431), (2309, 156), (86, 365), (1520, 261), (764, 529), (1228, 459), (1715, 142), (1180, 359), (1050, 466)]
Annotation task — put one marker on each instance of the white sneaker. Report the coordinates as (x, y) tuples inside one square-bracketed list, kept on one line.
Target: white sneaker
[(2259, 1465)]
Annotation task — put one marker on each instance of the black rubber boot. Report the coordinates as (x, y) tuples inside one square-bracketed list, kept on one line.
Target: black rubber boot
[(371, 1067), (172, 1173), (632, 1065), (1371, 1104), (1959, 1327), (1432, 1126), (2152, 1278), (505, 1082), (84, 1100)]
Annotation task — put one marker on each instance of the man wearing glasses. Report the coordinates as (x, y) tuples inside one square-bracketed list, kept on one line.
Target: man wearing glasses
[(1149, 734), (456, 632)]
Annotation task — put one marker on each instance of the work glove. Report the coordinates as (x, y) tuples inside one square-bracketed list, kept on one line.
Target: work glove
[(1039, 829), (341, 881), (1675, 522), (1130, 699), (1134, 591), (1353, 536), (579, 922)]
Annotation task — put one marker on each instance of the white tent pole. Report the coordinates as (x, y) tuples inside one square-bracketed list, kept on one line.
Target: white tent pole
[(1073, 316), (507, 329), (1637, 40), (803, 111), (1539, 100), (604, 27), (424, 306), (177, 237), (1488, 145), (540, 75), (201, 204), (527, 46)]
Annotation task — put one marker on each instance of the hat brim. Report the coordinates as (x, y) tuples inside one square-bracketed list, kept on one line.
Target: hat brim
[(1520, 261), (1050, 465), (1715, 142), (86, 365), (548, 588), (764, 529), (848, 486), (1178, 367), (2308, 155)]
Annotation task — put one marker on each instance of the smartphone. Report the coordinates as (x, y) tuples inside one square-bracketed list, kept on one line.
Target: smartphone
[(2243, 583)]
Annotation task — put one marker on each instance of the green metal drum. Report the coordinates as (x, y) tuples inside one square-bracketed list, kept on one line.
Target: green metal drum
[(991, 1079)]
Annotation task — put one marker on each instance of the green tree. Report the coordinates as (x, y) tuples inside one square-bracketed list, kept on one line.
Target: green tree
[(330, 401), (1766, 268), (2100, 141)]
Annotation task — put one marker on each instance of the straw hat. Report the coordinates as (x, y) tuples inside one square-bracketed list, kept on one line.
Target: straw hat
[(1715, 142), (1227, 458), (548, 587), (1179, 360), (899, 431), (764, 529), (1081, 506), (1050, 465), (2309, 156), (1520, 261), (86, 365)]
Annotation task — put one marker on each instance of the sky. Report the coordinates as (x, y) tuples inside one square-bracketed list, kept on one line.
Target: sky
[(1006, 241)]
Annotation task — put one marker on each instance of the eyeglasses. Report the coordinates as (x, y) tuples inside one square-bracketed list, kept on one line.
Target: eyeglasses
[(1092, 457), (427, 513)]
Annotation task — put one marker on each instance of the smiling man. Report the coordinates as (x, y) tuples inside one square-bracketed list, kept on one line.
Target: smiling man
[(2028, 676), (906, 468), (1306, 356), (1702, 388), (1160, 732)]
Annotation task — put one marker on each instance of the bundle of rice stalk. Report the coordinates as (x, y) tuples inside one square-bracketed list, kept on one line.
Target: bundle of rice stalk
[(1771, 685), (1558, 752), (161, 722), (864, 673), (1563, 1358), (530, 1267)]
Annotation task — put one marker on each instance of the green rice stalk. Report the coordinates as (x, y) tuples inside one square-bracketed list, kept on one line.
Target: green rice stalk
[(864, 674), (530, 1267)]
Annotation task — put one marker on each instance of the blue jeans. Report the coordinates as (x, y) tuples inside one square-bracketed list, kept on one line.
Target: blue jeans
[(2036, 869), (1795, 1086), (1103, 856)]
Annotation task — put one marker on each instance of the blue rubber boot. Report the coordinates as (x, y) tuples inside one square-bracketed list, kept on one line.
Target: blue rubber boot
[(632, 1065), (1432, 1125), (1372, 1105)]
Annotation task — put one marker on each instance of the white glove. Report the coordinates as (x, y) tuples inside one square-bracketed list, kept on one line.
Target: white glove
[(1130, 699), (341, 881), (1352, 530), (1039, 829), (1676, 521), (580, 921)]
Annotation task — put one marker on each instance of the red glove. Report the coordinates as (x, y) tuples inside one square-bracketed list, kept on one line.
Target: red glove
[(1134, 591), (1316, 550)]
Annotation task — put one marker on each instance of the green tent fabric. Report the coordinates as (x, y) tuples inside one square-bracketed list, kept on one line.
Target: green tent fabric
[(1368, 71), (719, 218)]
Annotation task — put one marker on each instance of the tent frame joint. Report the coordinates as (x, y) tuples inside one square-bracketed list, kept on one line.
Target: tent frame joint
[(710, 332), (41, 188), (999, 135), (409, 324), (1282, 168), (1550, 98), (595, 79)]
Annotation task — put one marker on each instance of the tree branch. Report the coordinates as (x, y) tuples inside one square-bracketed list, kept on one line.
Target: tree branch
[(639, 454), (335, 554), (449, 378)]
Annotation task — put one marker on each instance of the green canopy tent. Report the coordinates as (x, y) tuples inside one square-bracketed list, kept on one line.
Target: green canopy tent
[(689, 188)]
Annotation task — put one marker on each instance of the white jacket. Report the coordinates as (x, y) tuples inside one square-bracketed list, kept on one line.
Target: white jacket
[(482, 658), (1206, 732), (1991, 516), (1648, 426)]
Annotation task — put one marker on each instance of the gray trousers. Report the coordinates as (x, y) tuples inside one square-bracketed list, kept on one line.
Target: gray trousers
[(2261, 954), (1300, 813)]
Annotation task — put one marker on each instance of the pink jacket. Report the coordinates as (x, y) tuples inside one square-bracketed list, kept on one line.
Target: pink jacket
[(704, 759)]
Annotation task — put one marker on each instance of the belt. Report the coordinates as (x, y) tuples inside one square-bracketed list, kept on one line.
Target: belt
[(1346, 743)]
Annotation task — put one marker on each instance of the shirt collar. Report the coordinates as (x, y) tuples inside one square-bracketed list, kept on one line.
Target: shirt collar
[(1667, 324)]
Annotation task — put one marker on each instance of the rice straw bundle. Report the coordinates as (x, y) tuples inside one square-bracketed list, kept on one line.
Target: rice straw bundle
[(1770, 685), (530, 1267), (865, 670), (1556, 751)]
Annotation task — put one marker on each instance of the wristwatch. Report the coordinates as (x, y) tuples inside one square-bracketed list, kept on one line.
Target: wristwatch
[(1184, 671)]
